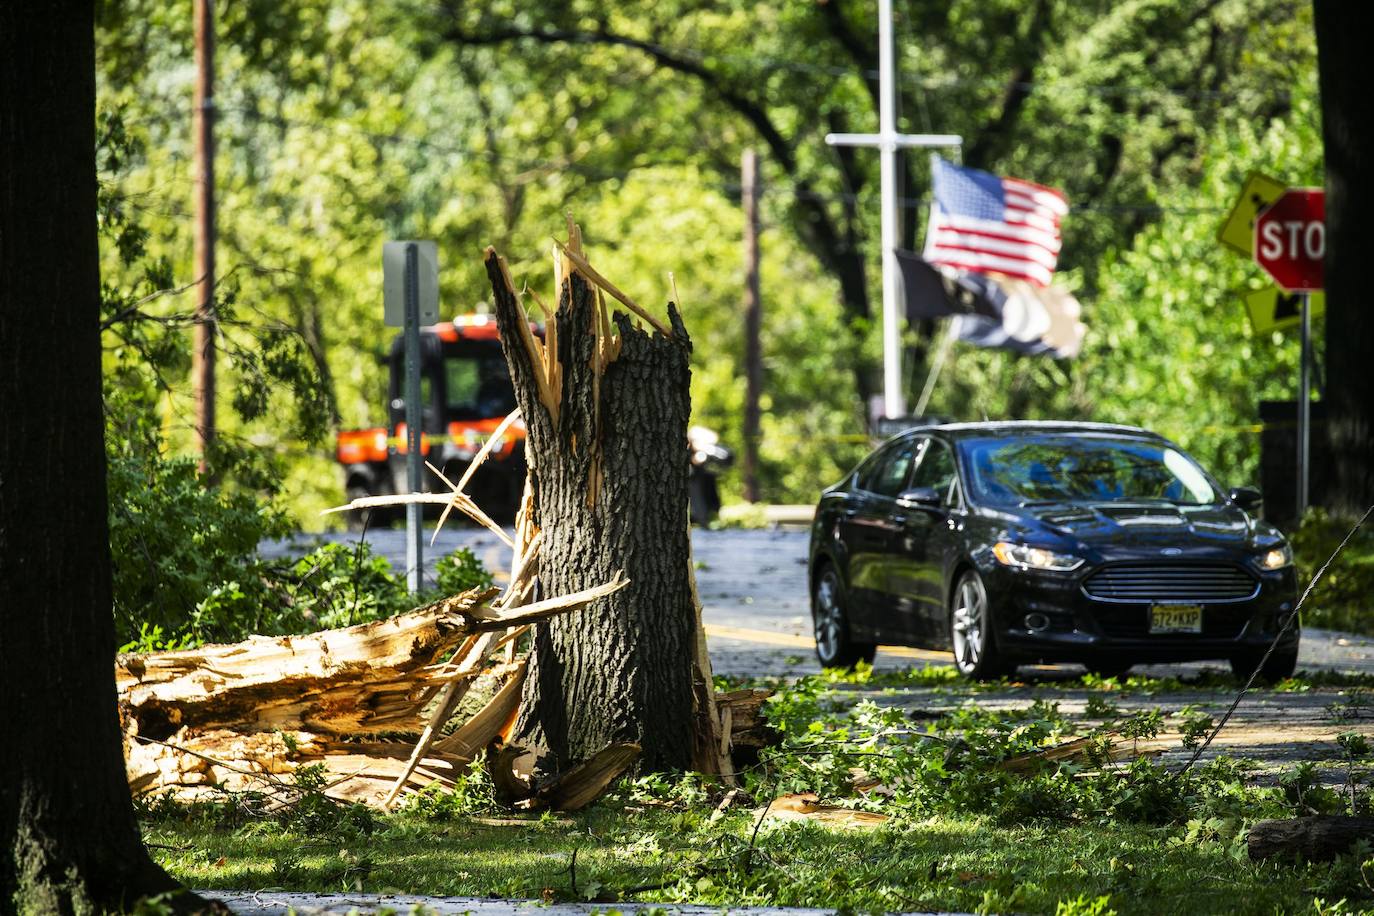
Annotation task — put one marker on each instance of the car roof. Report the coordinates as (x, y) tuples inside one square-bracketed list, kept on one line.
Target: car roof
[(1028, 427)]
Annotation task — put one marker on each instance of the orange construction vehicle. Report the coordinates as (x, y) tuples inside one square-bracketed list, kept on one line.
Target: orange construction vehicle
[(466, 392)]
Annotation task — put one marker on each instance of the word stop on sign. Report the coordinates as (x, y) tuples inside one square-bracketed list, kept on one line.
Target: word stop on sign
[(1292, 239)]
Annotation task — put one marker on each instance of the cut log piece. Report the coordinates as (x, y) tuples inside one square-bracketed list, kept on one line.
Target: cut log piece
[(1312, 839)]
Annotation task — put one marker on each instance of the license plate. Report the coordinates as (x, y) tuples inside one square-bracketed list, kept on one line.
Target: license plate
[(1176, 618)]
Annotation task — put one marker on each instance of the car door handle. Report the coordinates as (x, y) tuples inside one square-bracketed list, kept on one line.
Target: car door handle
[(850, 513), (899, 519)]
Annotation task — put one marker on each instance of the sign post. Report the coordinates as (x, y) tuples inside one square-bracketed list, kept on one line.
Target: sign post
[(410, 274), (1290, 243)]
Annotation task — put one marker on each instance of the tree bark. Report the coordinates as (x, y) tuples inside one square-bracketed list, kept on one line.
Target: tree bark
[(1311, 839), (608, 468), (1346, 130), (68, 839)]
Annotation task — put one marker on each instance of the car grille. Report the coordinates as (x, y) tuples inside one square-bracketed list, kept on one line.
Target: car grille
[(1149, 583)]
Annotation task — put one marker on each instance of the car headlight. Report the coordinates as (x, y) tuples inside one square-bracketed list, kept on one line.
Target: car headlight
[(1277, 558), (1009, 554)]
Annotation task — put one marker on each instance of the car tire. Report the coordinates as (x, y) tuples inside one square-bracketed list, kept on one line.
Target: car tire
[(1280, 666), (971, 633), (834, 646)]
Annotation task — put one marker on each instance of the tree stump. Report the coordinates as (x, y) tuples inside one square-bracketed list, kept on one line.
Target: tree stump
[(1312, 839), (606, 406)]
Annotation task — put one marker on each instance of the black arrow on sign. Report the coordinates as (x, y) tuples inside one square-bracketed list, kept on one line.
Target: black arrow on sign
[(1286, 306)]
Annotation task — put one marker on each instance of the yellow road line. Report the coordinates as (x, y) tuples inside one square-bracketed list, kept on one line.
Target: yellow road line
[(774, 638)]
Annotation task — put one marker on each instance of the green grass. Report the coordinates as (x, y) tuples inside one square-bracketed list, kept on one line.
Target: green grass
[(678, 856), (965, 832)]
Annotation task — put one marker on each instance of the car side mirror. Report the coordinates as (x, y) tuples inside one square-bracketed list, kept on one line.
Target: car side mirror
[(919, 498), (1248, 498)]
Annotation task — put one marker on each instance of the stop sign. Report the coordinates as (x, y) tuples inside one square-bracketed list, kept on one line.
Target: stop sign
[(1290, 239)]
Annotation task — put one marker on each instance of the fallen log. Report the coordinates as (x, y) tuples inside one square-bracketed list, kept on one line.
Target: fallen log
[(246, 717), (359, 680), (1312, 839)]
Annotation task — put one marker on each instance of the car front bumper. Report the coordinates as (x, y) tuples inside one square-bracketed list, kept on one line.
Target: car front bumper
[(1084, 629)]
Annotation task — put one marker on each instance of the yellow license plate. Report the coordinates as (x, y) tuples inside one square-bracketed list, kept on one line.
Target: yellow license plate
[(1176, 618)]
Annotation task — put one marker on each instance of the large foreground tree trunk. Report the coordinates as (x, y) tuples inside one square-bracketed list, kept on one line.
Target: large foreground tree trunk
[(607, 426), (1346, 134), (68, 839)]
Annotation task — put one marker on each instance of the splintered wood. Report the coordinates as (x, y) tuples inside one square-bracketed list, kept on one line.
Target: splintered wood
[(390, 707), (246, 716)]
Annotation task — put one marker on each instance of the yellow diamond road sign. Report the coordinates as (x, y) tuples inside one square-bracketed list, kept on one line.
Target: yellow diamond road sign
[(1238, 232), (1273, 309)]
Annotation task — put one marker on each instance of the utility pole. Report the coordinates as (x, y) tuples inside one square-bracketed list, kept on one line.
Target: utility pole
[(753, 354), (203, 350), (888, 141)]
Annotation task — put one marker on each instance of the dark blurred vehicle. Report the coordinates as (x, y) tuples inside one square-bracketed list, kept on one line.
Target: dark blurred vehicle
[(708, 459), (1021, 542)]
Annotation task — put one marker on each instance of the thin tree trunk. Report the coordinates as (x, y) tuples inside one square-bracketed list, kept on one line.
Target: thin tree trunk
[(68, 839), (609, 471), (1341, 58)]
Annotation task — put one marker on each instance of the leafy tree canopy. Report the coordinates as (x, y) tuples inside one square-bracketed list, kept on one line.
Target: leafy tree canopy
[(345, 123)]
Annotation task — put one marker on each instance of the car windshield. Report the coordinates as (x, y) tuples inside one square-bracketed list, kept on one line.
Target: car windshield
[(1067, 468)]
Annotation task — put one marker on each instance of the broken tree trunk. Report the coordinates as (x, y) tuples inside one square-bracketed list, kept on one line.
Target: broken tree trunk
[(1311, 839), (606, 406)]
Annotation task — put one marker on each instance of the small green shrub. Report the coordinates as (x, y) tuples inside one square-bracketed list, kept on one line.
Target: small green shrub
[(187, 568), (178, 543), (472, 793), (460, 571)]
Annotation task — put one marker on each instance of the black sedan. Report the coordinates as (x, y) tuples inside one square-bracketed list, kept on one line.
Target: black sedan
[(1022, 542)]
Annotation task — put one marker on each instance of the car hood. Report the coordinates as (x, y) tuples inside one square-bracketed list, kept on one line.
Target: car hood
[(1125, 524)]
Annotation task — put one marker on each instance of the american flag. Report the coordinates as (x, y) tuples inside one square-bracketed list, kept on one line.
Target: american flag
[(988, 224)]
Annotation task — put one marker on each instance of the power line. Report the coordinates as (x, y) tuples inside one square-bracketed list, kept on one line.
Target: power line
[(731, 189)]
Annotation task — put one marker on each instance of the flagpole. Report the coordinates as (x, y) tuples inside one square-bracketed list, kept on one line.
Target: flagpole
[(894, 397), (888, 142)]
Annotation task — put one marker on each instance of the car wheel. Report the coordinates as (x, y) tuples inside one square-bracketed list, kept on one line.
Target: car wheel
[(970, 631), (834, 647), (1280, 665)]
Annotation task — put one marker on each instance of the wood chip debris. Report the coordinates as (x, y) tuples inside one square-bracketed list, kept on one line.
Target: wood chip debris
[(806, 806)]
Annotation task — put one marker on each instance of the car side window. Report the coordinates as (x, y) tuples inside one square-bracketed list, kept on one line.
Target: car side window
[(937, 470), (888, 476)]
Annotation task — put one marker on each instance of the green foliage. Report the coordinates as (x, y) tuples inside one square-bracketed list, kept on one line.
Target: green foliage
[(184, 551), (1342, 599), (958, 764), (460, 571), (1083, 905), (187, 568), (349, 122), (472, 793)]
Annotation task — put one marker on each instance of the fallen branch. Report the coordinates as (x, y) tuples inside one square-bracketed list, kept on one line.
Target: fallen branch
[(1310, 839)]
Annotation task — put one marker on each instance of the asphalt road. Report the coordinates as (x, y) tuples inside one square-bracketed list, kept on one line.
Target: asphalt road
[(755, 605)]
